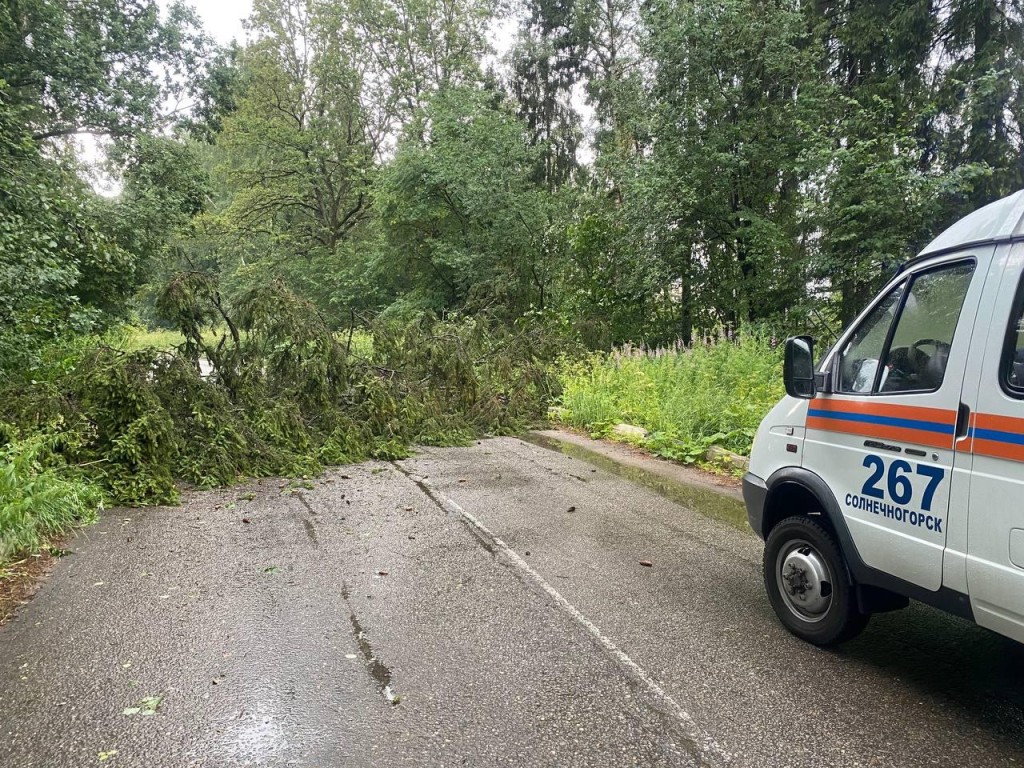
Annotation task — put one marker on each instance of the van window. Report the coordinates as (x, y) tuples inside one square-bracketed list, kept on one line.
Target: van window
[(917, 356), (859, 362), (912, 356), (1013, 353)]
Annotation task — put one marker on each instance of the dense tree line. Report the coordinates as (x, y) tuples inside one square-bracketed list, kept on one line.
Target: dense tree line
[(625, 171)]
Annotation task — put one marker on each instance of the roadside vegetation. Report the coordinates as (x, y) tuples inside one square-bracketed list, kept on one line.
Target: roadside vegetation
[(132, 337), (286, 399), (687, 399), (36, 501), (103, 425), (363, 230)]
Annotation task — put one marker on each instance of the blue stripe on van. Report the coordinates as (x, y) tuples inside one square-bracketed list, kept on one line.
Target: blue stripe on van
[(887, 421), (997, 436)]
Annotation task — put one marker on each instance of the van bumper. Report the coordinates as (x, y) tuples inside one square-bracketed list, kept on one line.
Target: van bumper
[(755, 493)]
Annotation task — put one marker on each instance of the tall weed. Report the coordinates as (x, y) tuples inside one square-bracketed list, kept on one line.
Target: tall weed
[(36, 502), (686, 398)]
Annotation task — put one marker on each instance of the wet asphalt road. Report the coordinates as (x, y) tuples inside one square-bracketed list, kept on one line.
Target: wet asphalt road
[(475, 606)]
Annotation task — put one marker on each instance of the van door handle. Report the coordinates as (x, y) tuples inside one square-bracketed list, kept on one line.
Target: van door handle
[(879, 446), (963, 419)]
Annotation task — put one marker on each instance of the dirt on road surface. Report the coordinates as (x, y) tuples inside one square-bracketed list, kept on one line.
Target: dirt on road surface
[(501, 604)]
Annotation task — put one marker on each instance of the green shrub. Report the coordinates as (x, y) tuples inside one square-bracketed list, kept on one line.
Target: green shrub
[(687, 399), (35, 501), (270, 389)]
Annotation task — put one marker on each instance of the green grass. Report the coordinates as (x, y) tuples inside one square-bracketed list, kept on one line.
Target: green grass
[(36, 503), (687, 399), (158, 338), (362, 343), (133, 338)]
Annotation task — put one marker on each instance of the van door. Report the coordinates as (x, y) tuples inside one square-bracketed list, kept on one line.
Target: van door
[(995, 531), (884, 439)]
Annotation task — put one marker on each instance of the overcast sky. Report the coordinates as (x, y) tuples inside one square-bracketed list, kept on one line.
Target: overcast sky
[(222, 18)]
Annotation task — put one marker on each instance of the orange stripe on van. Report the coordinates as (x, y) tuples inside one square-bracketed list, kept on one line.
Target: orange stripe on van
[(882, 432), (998, 450), (1001, 423), (1001, 437), (940, 415), (886, 421)]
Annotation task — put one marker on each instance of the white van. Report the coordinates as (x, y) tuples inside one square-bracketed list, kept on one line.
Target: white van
[(894, 469)]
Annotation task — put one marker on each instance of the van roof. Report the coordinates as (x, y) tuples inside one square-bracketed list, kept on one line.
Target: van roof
[(996, 222)]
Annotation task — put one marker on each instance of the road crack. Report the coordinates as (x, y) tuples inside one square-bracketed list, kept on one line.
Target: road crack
[(379, 672), (700, 745)]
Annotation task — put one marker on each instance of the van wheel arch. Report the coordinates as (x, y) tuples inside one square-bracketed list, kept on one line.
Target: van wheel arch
[(790, 498), (795, 491)]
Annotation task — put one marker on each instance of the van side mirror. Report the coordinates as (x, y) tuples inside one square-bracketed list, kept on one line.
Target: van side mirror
[(798, 367)]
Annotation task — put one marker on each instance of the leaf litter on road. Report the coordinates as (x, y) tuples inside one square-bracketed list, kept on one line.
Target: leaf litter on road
[(146, 707)]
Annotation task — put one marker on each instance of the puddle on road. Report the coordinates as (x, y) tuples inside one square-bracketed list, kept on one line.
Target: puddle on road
[(310, 531), (702, 500), (379, 672), (259, 739)]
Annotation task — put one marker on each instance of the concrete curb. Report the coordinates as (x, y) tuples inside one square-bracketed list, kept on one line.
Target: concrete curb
[(634, 435), (629, 456)]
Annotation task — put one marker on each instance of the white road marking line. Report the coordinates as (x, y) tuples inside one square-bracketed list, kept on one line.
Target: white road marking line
[(709, 753)]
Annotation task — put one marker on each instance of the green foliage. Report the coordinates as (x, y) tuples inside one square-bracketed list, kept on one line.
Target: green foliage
[(59, 272), (876, 202), (467, 227), (100, 67), (710, 229), (165, 186), (753, 163), (300, 144), (363, 238), (409, 50), (686, 398), (616, 287), (35, 501), (132, 436), (284, 396), (546, 67)]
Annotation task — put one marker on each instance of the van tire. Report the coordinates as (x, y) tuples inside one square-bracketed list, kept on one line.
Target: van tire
[(808, 585)]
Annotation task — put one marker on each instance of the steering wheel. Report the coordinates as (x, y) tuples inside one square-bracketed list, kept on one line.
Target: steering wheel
[(935, 364), (941, 347)]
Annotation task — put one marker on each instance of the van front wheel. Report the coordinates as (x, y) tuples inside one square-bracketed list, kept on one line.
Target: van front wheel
[(807, 585)]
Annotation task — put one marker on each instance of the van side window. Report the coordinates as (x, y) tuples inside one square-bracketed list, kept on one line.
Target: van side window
[(910, 354), (1012, 369), (919, 350), (859, 361)]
